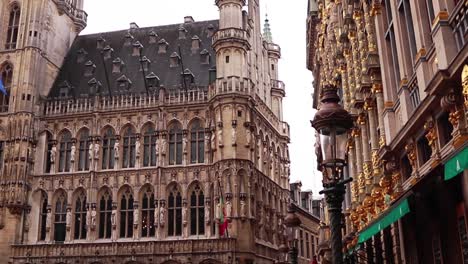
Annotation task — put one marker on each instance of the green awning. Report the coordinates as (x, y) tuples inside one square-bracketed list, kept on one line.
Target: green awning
[(396, 213), (456, 165)]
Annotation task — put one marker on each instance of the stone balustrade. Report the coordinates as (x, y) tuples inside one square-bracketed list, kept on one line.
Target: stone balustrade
[(80, 17), (233, 84), (277, 84), (103, 250), (230, 34), (59, 107)]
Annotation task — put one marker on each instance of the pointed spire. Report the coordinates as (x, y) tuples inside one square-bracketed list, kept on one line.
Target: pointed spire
[(267, 30)]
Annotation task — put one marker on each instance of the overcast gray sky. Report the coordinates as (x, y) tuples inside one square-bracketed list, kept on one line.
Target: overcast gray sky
[(288, 23)]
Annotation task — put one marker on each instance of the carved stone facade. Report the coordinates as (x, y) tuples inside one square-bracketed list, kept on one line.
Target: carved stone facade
[(403, 78), (105, 162)]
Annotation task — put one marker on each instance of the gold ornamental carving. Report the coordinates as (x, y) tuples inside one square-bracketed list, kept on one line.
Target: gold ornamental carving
[(366, 167), (361, 119), (396, 183), (465, 84), (431, 135), (356, 132), (386, 185), (377, 88), (376, 163), (369, 207), (382, 142), (455, 117), (362, 183), (378, 199), (411, 152)]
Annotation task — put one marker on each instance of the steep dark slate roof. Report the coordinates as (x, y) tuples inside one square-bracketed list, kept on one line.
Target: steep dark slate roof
[(83, 72)]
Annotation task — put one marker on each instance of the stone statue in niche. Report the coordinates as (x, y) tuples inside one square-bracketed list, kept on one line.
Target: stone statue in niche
[(53, 154), (49, 219), (184, 215), (163, 146), (207, 213), (116, 150), (93, 217), (136, 216), (137, 148), (207, 142), (220, 137), (162, 215), (228, 208), (114, 216), (156, 216), (97, 148), (68, 217), (243, 208), (265, 154), (72, 153), (234, 136), (248, 137), (91, 152), (213, 141), (218, 211), (157, 146), (184, 145)]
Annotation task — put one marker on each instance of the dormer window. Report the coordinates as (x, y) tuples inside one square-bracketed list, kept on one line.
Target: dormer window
[(94, 86), (153, 37), (107, 52), (117, 65), (182, 32), (81, 56), (195, 43), (210, 30), (145, 63), (188, 76), (137, 47), (124, 83), (152, 80), (65, 89), (162, 46), (90, 67), (204, 57), (174, 60), (128, 39), (100, 43)]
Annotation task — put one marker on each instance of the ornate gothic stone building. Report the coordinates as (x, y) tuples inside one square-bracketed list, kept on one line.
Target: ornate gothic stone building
[(124, 147), (402, 72)]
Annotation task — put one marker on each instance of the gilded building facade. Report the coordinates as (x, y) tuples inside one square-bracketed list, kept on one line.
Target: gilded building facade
[(401, 68), (127, 146)]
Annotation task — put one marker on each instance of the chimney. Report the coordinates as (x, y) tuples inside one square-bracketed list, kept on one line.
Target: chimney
[(134, 25), (188, 19)]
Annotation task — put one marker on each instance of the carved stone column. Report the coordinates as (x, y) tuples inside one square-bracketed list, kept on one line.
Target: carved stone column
[(377, 90), (356, 133), (367, 168)]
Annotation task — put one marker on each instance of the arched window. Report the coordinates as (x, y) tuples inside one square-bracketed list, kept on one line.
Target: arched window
[(149, 144), (105, 213), (108, 142), (6, 78), (43, 216), (65, 150), (197, 145), (126, 213), (50, 145), (147, 213), (13, 24), (80, 216), (175, 145), (85, 142), (197, 211), (60, 217), (129, 140), (174, 213)]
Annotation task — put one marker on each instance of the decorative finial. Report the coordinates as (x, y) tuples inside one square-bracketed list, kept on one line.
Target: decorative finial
[(267, 30)]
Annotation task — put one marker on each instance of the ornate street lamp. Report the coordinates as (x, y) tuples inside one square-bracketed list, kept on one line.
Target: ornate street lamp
[(292, 222), (332, 123)]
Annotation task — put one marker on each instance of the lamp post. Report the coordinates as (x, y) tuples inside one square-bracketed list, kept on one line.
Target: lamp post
[(332, 123), (291, 221)]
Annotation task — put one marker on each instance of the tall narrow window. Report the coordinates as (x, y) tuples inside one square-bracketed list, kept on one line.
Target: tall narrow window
[(147, 213), (108, 142), (6, 77), (175, 145), (2, 151), (13, 25), (60, 215), (175, 213), (197, 146), (407, 20), (65, 151), (50, 145), (85, 142), (105, 212), (80, 216), (391, 43), (149, 147), (197, 212), (43, 217), (129, 140), (126, 213)]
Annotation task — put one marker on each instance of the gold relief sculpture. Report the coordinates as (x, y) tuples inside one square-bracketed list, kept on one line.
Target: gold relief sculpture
[(377, 88), (454, 117), (369, 104), (375, 9), (362, 183), (377, 197), (411, 152), (369, 207), (376, 163), (396, 184), (465, 84), (356, 132), (382, 142), (386, 185), (366, 167), (431, 135), (361, 119), (354, 219)]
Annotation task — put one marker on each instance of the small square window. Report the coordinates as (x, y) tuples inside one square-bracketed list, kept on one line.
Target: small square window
[(239, 113), (29, 97), (227, 59)]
